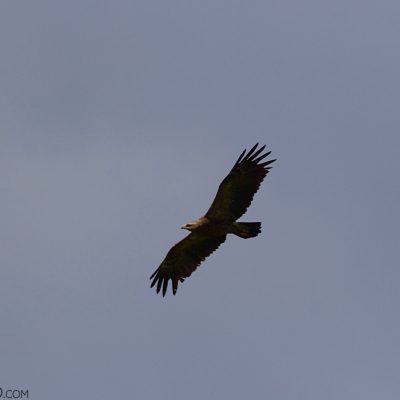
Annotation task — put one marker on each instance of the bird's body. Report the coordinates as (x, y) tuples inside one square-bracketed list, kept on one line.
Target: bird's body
[(211, 226), (207, 233)]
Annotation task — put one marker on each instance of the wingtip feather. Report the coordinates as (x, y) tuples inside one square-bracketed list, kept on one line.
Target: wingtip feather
[(257, 153), (154, 279), (249, 154), (159, 283), (165, 286), (267, 162), (154, 274), (240, 157)]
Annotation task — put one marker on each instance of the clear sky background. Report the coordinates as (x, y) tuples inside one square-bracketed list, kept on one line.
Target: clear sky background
[(119, 119)]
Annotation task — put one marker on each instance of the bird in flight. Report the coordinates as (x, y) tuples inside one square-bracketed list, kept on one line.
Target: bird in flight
[(234, 196)]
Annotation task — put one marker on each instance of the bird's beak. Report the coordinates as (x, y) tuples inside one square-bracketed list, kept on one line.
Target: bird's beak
[(183, 227)]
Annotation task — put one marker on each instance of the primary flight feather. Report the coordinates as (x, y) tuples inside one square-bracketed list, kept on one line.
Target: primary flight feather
[(234, 196)]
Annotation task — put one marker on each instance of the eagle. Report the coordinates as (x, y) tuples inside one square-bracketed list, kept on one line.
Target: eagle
[(234, 196)]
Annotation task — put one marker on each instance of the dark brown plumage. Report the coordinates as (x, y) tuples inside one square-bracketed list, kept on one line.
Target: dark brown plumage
[(234, 196)]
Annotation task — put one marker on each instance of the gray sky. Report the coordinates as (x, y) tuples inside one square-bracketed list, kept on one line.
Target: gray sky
[(119, 119)]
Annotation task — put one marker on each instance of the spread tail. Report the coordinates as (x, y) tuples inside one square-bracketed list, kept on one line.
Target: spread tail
[(246, 230)]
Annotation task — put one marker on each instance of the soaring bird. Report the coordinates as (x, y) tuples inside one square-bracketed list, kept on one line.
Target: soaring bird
[(234, 196)]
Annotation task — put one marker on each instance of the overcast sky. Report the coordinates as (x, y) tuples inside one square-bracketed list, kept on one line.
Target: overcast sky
[(119, 119)]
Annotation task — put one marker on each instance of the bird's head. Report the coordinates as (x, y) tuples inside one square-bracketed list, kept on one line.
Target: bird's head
[(190, 226)]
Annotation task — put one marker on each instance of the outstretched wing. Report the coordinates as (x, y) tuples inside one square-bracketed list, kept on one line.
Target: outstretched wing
[(237, 190), (183, 258)]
